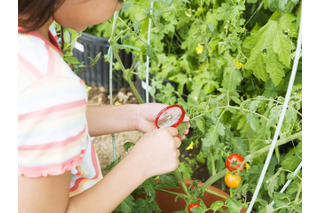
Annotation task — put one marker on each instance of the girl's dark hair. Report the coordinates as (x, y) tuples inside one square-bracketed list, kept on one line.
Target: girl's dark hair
[(32, 14)]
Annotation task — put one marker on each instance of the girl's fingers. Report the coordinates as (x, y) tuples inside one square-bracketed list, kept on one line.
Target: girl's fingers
[(177, 142), (173, 131), (186, 119)]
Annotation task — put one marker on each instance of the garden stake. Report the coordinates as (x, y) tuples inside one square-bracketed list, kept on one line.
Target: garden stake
[(147, 64), (110, 82), (289, 181), (283, 112)]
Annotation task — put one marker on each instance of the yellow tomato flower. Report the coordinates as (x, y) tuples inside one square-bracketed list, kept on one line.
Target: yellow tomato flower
[(238, 64), (190, 146), (188, 13), (199, 49), (248, 167)]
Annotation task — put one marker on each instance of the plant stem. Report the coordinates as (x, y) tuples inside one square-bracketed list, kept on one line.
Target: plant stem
[(280, 142), (172, 193), (183, 184), (215, 193), (214, 178), (127, 73), (213, 167), (250, 157), (115, 17), (135, 91)]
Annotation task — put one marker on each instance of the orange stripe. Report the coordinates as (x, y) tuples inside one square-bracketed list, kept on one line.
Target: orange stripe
[(59, 107), (29, 66), (52, 144)]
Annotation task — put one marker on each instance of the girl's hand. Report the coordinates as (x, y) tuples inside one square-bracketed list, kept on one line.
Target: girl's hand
[(157, 152), (147, 115)]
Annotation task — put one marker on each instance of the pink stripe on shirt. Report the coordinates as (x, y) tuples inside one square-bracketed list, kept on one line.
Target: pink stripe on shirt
[(59, 107), (29, 66), (50, 60), (53, 144), (96, 169), (53, 169)]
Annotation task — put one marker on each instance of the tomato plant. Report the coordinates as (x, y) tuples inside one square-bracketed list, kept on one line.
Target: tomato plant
[(235, 162), (231, 61)]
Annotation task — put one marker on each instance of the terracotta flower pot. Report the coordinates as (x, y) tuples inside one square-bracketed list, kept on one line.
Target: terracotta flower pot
[(167, 202)]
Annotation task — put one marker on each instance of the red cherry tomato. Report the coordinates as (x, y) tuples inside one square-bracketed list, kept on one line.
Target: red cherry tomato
[(232, 181), (234, 162), (192, 205)]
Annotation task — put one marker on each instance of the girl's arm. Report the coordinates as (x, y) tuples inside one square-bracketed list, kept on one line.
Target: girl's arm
[(154, 154), (111, 119)]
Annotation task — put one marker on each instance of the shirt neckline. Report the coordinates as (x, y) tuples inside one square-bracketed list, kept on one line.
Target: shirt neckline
[(53, 41)]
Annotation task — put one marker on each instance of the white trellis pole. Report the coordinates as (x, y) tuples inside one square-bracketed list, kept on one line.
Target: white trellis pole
[(148, 59), (283, 112), (289, 181), (110, 83)]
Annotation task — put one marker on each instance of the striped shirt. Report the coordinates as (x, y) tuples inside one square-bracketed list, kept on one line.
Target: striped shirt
[(52, 127)]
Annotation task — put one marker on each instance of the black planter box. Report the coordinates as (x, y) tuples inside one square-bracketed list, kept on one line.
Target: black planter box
[(98, 75)]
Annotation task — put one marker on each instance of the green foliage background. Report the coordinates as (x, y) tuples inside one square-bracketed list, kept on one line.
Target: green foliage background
[(233, 90)]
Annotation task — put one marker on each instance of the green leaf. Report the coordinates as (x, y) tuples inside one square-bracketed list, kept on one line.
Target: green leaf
[(66, 36), (273, 183), (148, 187), (127, 206), (253, 121), (210, 138), (281, 199), (232, 76), (297, 207), (186, 170), (124, 46), (71, 60), (168, 181), (270, 50), (216, 205), (220, 129), (224, 12), (293, 158), (127, 145), (200, 124), (182, 127), (111, 165), (233, 204), (143, 206), (275, 68)]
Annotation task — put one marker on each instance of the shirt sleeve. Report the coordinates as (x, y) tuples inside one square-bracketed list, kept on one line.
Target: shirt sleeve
[(52, 126)]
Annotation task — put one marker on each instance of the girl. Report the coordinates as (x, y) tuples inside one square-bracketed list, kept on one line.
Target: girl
[(58, 167)]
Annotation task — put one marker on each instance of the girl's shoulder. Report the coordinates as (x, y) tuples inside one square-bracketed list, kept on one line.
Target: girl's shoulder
[(39, 58)]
